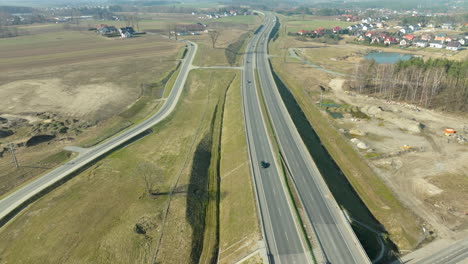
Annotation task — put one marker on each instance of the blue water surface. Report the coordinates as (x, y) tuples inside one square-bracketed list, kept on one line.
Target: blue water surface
[(387, 57)]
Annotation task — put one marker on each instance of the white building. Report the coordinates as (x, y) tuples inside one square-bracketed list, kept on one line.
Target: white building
[(436, 44)]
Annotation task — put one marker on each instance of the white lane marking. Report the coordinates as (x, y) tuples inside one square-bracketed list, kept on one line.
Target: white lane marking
[(286, 234)]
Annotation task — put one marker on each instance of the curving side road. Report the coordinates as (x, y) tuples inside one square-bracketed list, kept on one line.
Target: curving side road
[(9, 204), (283, 237), (336, 237)]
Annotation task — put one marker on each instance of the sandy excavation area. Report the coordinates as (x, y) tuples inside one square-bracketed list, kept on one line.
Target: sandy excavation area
[(408, 148), (42, 95)]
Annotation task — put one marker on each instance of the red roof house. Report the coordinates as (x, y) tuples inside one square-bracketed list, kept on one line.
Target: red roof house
[(369, 34), (390, 40), (409, 37)]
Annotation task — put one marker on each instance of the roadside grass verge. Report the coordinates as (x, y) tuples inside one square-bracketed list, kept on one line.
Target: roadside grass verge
[(212, 225), (49, 162), (239, 230), (229, 43), (232, 51), (208, 56)]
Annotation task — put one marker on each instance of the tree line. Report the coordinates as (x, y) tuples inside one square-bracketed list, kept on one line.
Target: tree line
[(432, 83), (304, 10), (456, 18)]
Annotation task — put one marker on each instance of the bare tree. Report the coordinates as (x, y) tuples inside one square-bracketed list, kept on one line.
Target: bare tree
[(136, 19), (169, 30), (151, 175), (214, 37)]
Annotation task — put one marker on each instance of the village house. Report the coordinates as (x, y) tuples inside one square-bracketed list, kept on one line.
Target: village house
[(405, 30), (105, 29), (440, 37), (427, 36), (404, 42), (336, 29), (376, 40), (421, 43), (462, 41), (390, 41), (126, 32), (369, 34), (449, 39), (352, 28), (366, 20), (409, 37), (454, 45), (447, 26), (414, 28), (320, 31), (436, 44)]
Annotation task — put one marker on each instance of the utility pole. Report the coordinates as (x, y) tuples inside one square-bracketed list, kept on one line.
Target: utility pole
[(13, 155), (322, 89)]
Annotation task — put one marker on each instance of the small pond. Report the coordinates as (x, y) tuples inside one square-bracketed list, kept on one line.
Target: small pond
[(387, 57)]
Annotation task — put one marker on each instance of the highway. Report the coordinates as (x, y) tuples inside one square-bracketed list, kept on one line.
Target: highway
[(336, 237), (10, 203), (457, 253), (284, 239), (454, 254)]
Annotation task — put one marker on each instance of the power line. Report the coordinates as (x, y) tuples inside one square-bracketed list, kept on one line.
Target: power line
[(13, 155)]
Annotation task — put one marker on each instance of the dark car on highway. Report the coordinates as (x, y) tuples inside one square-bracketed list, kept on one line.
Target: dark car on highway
[(264, 164)]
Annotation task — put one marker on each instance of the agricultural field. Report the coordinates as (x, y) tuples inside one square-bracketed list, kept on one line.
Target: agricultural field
[(73, 85), (296, 23)]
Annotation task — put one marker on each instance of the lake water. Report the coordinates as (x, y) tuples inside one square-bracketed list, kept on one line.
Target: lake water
[(387, 57)]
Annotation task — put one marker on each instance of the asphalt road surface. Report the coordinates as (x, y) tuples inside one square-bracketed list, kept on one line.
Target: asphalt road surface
[(20, 196), (338, 241), (284, 239), (455, 254)]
